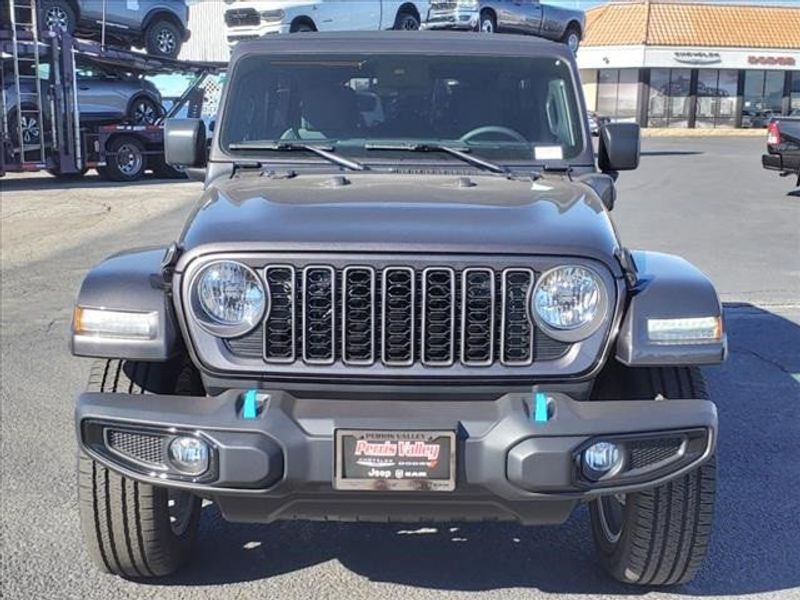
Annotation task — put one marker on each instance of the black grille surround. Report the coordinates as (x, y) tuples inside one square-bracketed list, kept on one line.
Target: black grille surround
[(398, 316), (242, 17), (469, 319)]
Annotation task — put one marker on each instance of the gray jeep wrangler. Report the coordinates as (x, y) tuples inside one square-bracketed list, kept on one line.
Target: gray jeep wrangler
[(400, 298)]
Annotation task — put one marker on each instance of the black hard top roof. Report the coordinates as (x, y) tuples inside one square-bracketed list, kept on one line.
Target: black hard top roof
[(404, 42)]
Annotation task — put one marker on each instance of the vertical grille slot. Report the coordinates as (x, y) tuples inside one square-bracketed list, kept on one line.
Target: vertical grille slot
[(319, 315), (398, 316), (516, 329), (477, 317), (358, 316), (438, 317), (279, 327)]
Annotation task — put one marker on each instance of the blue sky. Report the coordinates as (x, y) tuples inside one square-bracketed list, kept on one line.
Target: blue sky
[(584, 4)]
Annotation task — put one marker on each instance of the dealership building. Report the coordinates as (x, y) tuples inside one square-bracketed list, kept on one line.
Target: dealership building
[(664, 63)]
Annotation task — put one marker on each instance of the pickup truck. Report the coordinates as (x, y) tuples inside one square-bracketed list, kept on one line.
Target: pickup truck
[(250, 19), (529, 17), (783, 146), (427, 316)]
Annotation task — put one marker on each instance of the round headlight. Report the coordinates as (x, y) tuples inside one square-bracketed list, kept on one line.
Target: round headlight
[(569, 302), (228, 298)]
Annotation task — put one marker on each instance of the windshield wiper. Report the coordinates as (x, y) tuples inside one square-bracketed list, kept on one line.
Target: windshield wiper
[(321, 151), (455, 152)]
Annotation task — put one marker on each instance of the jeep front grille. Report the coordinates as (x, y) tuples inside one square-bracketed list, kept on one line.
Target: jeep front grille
[(399, 316)]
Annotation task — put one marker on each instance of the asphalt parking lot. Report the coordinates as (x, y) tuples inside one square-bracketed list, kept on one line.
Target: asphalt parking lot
[(705, 198)]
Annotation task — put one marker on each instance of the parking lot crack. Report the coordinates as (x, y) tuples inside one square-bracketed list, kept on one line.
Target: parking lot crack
[(767, 360)]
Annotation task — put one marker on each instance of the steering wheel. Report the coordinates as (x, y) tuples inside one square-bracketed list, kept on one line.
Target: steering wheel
[(507, 131)]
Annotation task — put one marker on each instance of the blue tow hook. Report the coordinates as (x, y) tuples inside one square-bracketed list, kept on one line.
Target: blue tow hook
[(540, 408)]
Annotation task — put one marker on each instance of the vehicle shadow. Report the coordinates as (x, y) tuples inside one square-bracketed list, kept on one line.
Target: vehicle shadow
[(754, 545), (47, 182)]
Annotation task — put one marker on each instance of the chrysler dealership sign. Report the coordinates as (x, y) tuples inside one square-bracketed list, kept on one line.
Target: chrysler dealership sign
[(697, 58), (622, 57)]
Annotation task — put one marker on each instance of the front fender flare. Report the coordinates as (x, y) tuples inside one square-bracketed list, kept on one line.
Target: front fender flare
[(668, 287), (131, 281)]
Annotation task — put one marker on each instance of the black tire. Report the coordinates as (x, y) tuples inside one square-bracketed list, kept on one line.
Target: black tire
[(128, 526), (164, 171), (302, 27), (57, 14), (406, 21), (488, 22), (126, 159), (163, 38), (659, 536), (572, 38), (144, 111)]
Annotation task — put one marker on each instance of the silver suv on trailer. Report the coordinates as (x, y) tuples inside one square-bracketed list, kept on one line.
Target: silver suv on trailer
[(423, 316), (159, 26)]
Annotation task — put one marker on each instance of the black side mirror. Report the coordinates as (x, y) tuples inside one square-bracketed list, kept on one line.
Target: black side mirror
[(185, 143), (619, 147)]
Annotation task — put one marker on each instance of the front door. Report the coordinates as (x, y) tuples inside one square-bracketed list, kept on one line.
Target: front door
[(120, 15), (530, 12), (348, 15)]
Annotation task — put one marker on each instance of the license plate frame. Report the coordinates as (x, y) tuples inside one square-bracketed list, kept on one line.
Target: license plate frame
[(410, 468)]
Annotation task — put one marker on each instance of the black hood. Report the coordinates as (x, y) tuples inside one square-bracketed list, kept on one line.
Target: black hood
[(403, 213)]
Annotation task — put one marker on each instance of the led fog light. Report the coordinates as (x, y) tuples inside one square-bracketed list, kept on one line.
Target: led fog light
[(601, 458), (189, 455)]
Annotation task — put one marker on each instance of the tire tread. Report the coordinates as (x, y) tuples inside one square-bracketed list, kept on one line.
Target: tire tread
[(126, 523), (668, 528)]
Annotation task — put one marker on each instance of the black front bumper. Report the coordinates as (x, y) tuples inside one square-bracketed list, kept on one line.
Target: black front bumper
[(280, 465)]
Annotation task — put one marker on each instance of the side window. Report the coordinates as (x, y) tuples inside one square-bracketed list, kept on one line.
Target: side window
[(559, 117)]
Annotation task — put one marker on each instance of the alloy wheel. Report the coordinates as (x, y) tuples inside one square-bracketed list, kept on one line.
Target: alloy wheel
[(573, 41), (487, 26), (56, 18), (409, 23), (611, 510), (30, 129), (165, 40), (144, 113), (129, 160), (180, 511)]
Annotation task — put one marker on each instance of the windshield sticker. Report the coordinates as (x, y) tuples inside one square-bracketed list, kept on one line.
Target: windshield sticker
[(548, 153)]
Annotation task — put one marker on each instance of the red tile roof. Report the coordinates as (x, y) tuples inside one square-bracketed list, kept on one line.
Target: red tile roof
[(675, 23)]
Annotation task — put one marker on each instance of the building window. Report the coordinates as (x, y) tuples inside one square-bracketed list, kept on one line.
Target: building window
[(763, 97), (716, 98), (618, 93), (669, 101), (794, 93)]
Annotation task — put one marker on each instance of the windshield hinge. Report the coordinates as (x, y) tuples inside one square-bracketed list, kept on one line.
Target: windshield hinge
[(168, 264), (241, 165), (273, 174), (562, 170), (628, 265)]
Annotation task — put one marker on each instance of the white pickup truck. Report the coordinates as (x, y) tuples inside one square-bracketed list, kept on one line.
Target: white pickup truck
[(250, 19)]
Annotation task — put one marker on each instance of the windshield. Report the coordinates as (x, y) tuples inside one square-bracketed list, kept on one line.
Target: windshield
[(505, 109)]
